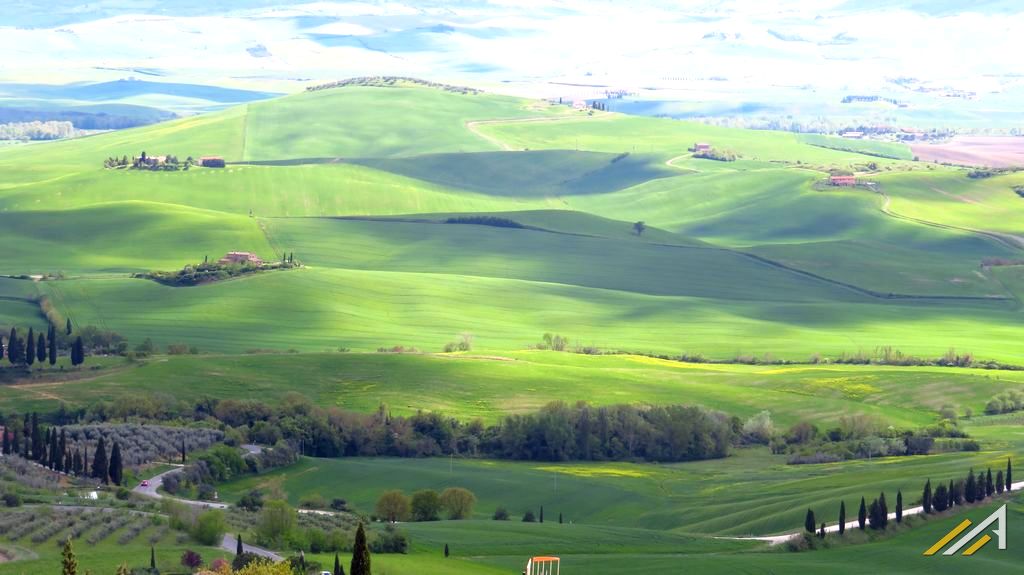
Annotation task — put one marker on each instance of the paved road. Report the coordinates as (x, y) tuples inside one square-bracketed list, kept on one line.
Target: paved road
[(231, 544), (850, 525), (152, 490)]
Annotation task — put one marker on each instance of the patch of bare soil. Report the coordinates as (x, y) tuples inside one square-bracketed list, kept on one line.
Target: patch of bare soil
[(990, 151)]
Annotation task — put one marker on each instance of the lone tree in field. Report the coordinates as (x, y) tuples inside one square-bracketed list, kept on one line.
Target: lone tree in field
[(394, 506), (446, 550), (639, 228), (458, 502), (842, 517), (899, 506), (862, 514), (542, 514), (360, 554), (809, 522), (69, 564)]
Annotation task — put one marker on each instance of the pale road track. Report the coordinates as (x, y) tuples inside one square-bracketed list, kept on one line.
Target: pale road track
[(850, 525)]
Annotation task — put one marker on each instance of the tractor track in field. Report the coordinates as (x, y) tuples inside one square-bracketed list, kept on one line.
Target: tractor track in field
[(754, 257)]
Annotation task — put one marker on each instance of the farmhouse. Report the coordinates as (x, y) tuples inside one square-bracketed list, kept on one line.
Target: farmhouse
[(701, 147), (240, 258), (211, 162), (842, 180), (579, 105)]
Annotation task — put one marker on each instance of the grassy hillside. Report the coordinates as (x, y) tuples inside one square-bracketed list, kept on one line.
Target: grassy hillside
[(468, 386)]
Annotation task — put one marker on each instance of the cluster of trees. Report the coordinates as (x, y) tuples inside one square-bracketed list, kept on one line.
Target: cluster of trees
[(1019, 190), (50, 447), (557, 432), (222, 463), (716, 154), (388, 81), (975, 488), (464, 343), (485, 221), (36, 130), (41, 348), (207, 272), (1006, 402), (152, 163), (426, 505)]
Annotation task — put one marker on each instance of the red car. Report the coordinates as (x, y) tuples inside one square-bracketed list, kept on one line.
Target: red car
[(145, 483)]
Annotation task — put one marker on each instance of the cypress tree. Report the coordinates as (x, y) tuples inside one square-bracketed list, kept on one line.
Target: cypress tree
[(54, 458), (1009, 475), (12, 346), (337, 566), (899, 506), (809, 522), (542, 514), (990, 486), (979, 487), (7, 445), (152, 554), (559, 517), (77, 352), (941, 499), (883, 510), (360, 554), (1000, 483), (971, 487), (956, 493), (183, 452), (41, 348), (116, 465), (862, 514), (239, 548), (821, 532), (445, 550), (62, 449), (30, 351), (2, 351), (67, 328), (69, 564), (37, 439), (53, 346), (100, 466), (842, 517), (68, 465), (76, 462)]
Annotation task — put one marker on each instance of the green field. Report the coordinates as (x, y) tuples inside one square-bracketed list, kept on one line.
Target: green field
[(748, 258)]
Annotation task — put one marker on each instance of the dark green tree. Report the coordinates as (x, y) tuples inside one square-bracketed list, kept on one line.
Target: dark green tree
[(446, 550), (559, 517), (38, 447), (53, 346), (862, 514), (883, 510), (899, 506), (53, 458), (809, 522), (30, 348), (1009, 475), (842, 518), (360, 554), (152, 553), (7, 443), (239, 548), (12, 346), (990, 486), (970, 487), (926, 497), (1000, 482), (69, 564), (542, 514), (100, 465), (941, 499), (821, 532), (67, 328), (116, 465), (337, 566), (41, 348), (77, 352)]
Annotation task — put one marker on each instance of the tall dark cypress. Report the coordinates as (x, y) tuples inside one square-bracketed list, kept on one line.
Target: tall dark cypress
[(67, 328), (360, 554), (12, 346), (862, 514), (926, 497), (899, 506), (41, 348), (239, 548), (53, 347), (883, 510), (77, 352), (37, 439), (53, 457), (152, 553), (116, 465), (1000, 482), (100, 466), (971, 487), (809, 523), (337, 566), (1009, 475), (990, 486), (30, 348)]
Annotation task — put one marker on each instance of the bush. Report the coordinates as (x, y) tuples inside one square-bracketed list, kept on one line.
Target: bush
[(251, 501), (123, 493), (338, 504), (426, 504), (191, 559), (390, 541), (313, 501), (12, 500), (529, 517), (210, 527), (500, 514)]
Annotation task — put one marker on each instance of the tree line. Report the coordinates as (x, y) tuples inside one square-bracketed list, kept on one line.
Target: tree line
[(49, 446), (975, 488), (39, 348)]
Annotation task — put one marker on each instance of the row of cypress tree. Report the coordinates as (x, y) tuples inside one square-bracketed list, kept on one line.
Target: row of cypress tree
[(974, 488), (38, 347), (50, 449)]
